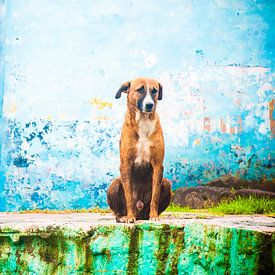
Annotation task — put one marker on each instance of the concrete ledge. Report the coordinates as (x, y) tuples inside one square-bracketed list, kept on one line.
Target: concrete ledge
[(95, 244)]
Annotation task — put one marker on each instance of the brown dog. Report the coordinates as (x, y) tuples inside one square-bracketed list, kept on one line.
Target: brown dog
[(141, 192)]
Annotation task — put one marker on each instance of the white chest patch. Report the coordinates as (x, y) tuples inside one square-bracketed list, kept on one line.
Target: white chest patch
[(145, 128)]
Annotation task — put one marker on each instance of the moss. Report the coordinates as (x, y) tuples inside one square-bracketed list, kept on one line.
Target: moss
[(5, 244), (177, 238), (162, 249), (52, 250), (84, 257), (105, 230), (49, 253), (163, 252), (88, 264), (265, 263), (218, 250), (133, 254), (27, 242), (226, 253), (107, 253), (22, 265), (24, 245)]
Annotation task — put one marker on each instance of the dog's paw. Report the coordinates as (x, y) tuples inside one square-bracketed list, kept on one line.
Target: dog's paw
[(125, 219), (121, 219), (130, 219), (154, 218)]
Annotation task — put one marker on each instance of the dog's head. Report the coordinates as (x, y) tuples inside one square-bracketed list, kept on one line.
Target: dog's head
[(143, 94)]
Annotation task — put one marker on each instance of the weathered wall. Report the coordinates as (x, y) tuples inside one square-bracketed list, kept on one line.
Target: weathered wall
[(80, 245), (64, 61)]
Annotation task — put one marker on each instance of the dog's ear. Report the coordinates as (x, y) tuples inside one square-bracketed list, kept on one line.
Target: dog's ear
[(160, 92), (124, 88)]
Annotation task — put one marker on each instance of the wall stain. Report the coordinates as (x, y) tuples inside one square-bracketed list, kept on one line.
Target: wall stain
[(265, 263), (163, 251), (88, 264), (177, 238), (133, 254)]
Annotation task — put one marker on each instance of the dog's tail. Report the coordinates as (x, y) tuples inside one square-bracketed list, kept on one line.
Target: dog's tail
[(139, 205)]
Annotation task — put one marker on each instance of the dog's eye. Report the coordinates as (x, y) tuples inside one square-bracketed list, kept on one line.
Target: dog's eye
[(154, 91), (141, 90)]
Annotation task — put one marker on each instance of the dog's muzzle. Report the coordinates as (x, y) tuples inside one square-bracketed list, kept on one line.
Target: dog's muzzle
[(149, 107)]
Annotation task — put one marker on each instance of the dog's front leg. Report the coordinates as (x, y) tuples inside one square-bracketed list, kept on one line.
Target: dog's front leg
[(157, 178), (126, 171)]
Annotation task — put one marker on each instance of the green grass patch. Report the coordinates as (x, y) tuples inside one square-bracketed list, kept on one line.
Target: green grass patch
[(238, 206), (176, 208), (249, 205)]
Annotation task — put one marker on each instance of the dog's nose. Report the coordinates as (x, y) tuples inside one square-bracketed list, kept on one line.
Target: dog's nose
[(149, 106)]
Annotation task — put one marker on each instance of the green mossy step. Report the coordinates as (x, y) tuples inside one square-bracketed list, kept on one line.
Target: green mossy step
[(90, 243)]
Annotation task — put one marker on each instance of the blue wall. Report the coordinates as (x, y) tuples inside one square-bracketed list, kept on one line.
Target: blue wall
[(63, 61)]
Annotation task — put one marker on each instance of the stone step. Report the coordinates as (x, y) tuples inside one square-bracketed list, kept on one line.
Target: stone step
[(90, 243)]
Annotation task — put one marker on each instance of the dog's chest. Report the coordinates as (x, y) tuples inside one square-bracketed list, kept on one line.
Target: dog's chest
[(145, 128)]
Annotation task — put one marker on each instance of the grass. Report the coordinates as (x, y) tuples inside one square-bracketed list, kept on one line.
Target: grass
[(238, 206), (250, 205), (176, 208)]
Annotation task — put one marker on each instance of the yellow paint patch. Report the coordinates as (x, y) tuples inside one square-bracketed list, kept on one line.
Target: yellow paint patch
[(196, 141), (101, 118), (100, 104)]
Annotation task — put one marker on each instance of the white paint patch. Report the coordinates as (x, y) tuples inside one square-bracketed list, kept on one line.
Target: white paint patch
[(265, 87), (263, 128), (148, 99), (150, 60), (145, 128)]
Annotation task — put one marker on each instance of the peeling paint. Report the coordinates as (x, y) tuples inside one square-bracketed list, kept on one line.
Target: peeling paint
[(60, 123)]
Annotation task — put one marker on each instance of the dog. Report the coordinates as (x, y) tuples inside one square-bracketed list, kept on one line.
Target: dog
[(140, 192)]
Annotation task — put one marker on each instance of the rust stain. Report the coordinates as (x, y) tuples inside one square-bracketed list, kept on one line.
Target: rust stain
[(232, 130), (272, 118), (206, 123), (238, 102), (239, 125), (223, 125)]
